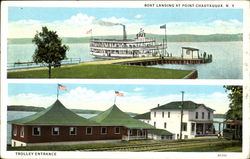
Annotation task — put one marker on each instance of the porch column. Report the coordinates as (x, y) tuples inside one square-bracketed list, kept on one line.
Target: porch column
[(195, 129), (203, 131), (128, 134)]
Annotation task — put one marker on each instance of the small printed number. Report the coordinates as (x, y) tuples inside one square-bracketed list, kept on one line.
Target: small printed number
[(222, 155)]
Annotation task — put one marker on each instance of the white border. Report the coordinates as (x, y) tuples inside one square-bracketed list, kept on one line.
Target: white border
[(123, 4)]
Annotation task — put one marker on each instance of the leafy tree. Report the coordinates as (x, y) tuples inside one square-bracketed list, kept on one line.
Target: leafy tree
[(49, 48), (235, 107)]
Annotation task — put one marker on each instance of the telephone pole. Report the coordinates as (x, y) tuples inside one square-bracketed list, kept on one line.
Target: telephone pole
[(182, 93)]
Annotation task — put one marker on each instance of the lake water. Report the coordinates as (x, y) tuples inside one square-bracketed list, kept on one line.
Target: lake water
[(13, 115), (227, 57)]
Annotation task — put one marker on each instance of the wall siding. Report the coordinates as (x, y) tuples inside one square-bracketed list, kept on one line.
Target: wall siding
[(46, 134)]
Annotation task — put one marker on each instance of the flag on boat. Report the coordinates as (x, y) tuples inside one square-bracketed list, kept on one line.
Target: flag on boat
[(89, 31), (163, 26), (119, 94), (61, 87)]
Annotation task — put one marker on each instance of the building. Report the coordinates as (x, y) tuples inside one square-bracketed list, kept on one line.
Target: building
[(197, 119), (190, 53), (132, 129), (160, 134), (219, 123), (145, 117), (57, 125)]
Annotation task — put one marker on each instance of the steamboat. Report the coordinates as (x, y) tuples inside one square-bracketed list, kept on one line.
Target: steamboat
[(141, 46)]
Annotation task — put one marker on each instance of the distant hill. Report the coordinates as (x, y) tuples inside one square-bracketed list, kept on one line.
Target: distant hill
[(170, 38), (38, 109), (24, 108)]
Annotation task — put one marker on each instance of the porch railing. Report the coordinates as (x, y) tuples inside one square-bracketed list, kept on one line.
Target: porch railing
[(133, 138)]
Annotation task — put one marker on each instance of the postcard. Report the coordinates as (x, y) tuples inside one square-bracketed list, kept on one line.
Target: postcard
[(125, 79), (169, 40)]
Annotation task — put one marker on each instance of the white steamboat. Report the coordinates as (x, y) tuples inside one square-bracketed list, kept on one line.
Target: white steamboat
[(141, 46)]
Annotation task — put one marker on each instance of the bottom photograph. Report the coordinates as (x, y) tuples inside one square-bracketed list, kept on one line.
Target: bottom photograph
[(124, 117)]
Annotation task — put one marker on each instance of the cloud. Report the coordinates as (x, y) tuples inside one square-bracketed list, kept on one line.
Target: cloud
[(138, 89), (138, 16), (77, 25), (80, 19), (84, 98), (115, 20)]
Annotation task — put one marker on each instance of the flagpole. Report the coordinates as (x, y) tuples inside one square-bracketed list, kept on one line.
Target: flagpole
[(57, 91), (115, 99), (166, 35)]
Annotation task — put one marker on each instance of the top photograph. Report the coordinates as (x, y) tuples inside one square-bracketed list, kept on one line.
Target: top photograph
[(130, 42)]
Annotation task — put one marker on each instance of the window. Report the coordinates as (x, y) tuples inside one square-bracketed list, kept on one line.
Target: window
[(165, 125), (208, 115), (184, 126), (162, 114), (203, 114), (22, 132), (55, 131), (196, 115), (154, 114), (72, 131), (192, 126), (89, 131), (15, 130), (130, 132), (104, 130), (36, 131), (168, 114), (117, 130), (154, 124)]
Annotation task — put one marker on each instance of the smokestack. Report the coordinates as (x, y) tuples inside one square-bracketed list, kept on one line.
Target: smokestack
[(124, 32)]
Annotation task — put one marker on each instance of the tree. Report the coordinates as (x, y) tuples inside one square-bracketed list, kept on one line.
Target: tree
[(235, 107), (49, 48)]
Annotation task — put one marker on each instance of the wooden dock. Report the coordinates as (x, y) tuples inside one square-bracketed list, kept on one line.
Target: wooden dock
[(165, 60), (145, 61)]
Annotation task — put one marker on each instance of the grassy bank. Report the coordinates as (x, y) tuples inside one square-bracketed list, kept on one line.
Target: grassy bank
[(191, 145), (103, 71)]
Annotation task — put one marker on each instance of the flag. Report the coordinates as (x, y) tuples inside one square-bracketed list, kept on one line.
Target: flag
[(163, 26), (89, 31), (119, 94), (61, 87)]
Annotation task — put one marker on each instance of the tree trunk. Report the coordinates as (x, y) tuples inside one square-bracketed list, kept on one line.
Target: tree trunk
[(49, 70)]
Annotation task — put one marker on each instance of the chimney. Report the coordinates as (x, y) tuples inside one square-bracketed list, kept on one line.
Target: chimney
[(158, 105), (124, 32)]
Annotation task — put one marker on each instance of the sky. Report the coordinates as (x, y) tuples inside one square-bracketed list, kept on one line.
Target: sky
[(23, 22), (138, 98)]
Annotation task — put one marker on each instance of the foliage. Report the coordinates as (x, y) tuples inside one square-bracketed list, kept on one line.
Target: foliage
[(104, 71), (49, 48), (235, 107)]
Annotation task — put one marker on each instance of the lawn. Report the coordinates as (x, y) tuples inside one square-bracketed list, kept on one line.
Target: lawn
[(190, 145), (103, 71)]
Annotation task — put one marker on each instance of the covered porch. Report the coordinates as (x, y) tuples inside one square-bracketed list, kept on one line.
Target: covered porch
[(202, 128), (135, 134)]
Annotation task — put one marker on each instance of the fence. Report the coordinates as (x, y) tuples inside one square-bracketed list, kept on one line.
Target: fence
[(22, 65)]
